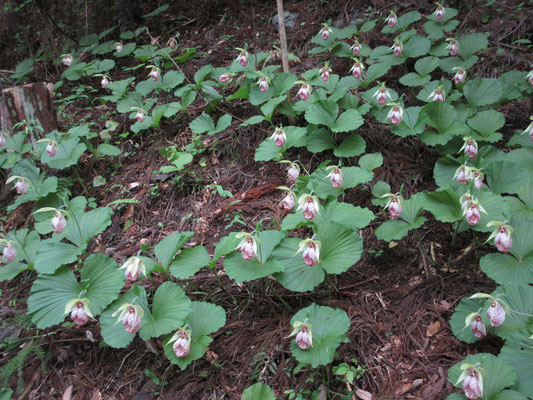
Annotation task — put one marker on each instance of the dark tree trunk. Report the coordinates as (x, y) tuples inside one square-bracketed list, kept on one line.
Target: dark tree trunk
[(32, 101)]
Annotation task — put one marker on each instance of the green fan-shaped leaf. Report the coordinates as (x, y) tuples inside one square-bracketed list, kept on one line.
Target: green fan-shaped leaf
[(485, 124), (426, 65), (169, 309), (482, 91), (371, 161), (167, 248), (53, 255), (499, 374), (297, 276), (204, 319), (328, 328), (189, 262), (259, 391), (396, 229), (506, 177), (320, 140), (323, 112), (81, 228), (417, 46), (377, 70), (204, 123), (241, 270), (102, 281), (352, 146), (443, 204), (49, 296), (348, 121), (341, 247), (472, 43), (518, 353), (414, 79), (107, 149)]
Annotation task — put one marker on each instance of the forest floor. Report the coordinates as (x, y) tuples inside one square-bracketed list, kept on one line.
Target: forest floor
[(399, 308)]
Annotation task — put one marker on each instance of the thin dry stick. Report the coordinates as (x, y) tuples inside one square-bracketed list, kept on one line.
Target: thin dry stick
[(283, 36)]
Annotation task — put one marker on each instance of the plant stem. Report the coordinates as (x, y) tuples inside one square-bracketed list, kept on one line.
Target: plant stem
[(454, 237), (222, 286), (423, 250), (328, 278), (287, 306)]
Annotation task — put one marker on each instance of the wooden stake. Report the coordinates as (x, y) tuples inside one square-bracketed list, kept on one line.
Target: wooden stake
[(283, 37)]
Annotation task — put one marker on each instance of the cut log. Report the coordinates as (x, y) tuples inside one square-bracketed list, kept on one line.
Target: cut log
[(29, 102)]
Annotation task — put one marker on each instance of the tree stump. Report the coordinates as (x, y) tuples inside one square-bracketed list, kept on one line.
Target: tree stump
[(29, 102)]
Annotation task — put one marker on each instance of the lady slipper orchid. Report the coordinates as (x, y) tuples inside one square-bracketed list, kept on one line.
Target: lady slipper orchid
[(395, 114), (460, 76), (325, 32), (118, 47), (382, 94), (21, 186), (3, 139), (133, 267), (172, 43), (476, 325), (243, 58), (182, 342), (67, 60), (530, 77), (304, 92), (356, 48), (529, 129), (469, 147), (9, 252), (502, 235), (59, 223), (324, 72), (473, 212), (472, 378), (478, 178), (394, 204), (437, 95), (311, 251), (304, 334), (225, 77), (248, 246), (288, 202), (357, 69), (335, 176), (439, 12), (51, 149), (463, 174), (309, 205), (279, 137), (397, 48), (140, 116), (155, 74), (495, 313), (130, 316), (104, 82), (453, 47), (293, 172), (391, 19), (79, 311), (263, 84), (465, 200)]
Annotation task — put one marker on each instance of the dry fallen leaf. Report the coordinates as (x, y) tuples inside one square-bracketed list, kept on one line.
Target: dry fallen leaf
[(68, 393), (433, 329), (363, 394)]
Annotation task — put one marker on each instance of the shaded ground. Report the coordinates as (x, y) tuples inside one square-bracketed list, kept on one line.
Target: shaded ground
[(399, 315)]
